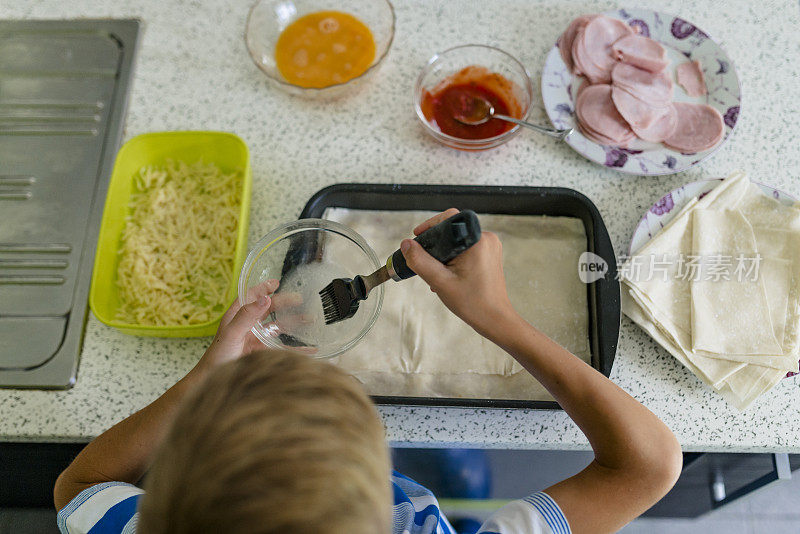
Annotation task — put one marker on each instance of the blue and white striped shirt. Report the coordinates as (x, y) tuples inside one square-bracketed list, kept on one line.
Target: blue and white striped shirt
[(110, 508)]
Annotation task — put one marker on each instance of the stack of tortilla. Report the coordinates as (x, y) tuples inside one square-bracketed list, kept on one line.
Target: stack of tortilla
[(719, 288)]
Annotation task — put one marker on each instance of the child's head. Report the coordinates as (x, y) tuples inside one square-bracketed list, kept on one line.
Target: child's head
[(273, 442)]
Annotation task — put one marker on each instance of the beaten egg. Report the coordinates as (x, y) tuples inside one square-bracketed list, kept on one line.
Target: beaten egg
[(323, 49)]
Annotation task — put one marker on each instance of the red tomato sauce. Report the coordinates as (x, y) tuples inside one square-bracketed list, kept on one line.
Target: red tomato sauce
[(452, 97)]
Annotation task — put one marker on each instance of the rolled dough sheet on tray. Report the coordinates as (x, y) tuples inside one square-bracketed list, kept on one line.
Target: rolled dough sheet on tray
[(419, 348)]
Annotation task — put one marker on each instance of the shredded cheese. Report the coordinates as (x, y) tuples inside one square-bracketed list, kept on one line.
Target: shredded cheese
[(177, 252)]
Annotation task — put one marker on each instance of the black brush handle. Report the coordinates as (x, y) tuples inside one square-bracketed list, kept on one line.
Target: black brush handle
[(444, 242)]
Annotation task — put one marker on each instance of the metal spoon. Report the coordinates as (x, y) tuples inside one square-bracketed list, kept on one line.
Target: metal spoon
[(481, 111)]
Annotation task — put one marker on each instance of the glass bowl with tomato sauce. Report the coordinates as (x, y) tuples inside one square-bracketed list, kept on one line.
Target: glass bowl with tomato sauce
[(451, 79)]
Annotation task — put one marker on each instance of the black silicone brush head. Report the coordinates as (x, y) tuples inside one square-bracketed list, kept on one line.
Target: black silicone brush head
[(339, 300)]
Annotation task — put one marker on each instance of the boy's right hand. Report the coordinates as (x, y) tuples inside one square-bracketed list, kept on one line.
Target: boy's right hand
[(472, 285)]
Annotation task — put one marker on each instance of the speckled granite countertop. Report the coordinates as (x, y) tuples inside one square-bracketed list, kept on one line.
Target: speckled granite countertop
[(193, 72)]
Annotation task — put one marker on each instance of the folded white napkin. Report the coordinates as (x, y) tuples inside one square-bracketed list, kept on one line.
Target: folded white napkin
[(719, 288)]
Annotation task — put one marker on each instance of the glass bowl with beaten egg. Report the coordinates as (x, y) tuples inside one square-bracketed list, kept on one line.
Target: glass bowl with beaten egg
[(319, 48)]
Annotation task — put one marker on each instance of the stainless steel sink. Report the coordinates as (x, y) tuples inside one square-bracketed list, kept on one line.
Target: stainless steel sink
[(63, 94)]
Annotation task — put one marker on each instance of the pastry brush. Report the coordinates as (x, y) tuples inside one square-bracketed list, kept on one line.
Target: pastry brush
[(444, 242)]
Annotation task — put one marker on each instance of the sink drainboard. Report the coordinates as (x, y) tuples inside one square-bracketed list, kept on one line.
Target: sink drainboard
[(63, 94)]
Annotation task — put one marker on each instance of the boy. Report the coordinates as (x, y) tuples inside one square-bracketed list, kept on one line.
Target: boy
[(273, 442)]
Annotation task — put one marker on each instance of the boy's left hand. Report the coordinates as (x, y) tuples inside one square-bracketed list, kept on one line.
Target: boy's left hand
[(234, 336)]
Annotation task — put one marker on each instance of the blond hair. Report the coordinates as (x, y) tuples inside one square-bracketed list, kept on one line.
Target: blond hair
[(273, 442)]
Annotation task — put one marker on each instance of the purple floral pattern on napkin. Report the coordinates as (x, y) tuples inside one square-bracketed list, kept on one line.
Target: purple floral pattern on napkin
[(682, 39)]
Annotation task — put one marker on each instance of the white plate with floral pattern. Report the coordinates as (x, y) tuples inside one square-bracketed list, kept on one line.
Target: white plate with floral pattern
[(663, 211), (683, 41)]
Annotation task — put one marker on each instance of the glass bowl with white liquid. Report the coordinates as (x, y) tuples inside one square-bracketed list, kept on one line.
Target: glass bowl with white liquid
[(292, 263)]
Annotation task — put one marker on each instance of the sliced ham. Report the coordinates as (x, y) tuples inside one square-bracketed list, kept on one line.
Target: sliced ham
[(578, 66), (648, 122), (661, 128), (699, 128), (579, 85), (653, 88), (568, 38), (636, 112), (690, 77), (599, 118), (625, 91), (591, 49), (641, 52), (603, 140)]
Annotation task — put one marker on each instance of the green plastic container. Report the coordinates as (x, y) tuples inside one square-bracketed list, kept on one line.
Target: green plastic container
[(225, 150)]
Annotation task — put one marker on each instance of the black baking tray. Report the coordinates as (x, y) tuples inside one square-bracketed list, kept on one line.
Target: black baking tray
[(603, 294)]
